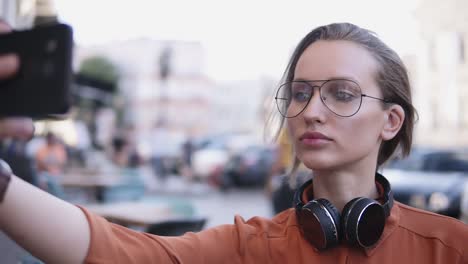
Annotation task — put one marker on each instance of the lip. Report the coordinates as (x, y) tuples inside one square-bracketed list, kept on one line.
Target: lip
[(314, 136), (314, 139)]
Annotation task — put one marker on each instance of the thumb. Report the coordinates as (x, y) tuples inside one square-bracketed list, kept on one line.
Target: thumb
[(9, 63), (18, 127)]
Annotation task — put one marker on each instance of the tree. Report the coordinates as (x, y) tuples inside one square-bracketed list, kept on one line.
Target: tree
[(101, 75), (100, 68)]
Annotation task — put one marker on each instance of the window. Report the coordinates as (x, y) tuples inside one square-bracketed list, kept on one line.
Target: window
[(461, 47), (432, 55)]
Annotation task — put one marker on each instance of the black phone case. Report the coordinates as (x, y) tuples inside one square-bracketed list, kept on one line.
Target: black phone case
[(41, 88)]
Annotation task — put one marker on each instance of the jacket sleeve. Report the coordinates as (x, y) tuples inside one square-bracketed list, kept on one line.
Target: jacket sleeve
[(112, 243)]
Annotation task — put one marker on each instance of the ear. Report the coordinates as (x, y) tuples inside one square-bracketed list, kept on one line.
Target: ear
[(394, 117)]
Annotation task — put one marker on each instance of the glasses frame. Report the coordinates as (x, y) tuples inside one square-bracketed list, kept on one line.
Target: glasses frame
[(308, 82)]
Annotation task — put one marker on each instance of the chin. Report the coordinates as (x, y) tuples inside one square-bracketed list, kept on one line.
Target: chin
[(318, 166), (318, 162)]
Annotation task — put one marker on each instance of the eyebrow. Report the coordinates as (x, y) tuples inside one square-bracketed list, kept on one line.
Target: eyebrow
[(349, 78)]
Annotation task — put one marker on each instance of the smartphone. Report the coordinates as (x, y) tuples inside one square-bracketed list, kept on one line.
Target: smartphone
[(41, 87)]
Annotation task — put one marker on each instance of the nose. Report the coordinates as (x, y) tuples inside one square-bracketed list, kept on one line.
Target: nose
[(315, 110)]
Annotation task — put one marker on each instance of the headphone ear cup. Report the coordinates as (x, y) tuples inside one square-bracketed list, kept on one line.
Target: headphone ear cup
[(334, 213), (320, 223), (362, 221)]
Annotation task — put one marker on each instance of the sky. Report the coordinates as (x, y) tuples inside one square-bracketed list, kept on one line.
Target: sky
[(243, 39)]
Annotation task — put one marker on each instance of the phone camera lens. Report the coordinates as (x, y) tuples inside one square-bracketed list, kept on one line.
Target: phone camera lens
[(51, 45)]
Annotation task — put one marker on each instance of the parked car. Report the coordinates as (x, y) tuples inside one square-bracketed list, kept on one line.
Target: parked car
[(212, 153), (282, 196), (249, 167), (429, 179)]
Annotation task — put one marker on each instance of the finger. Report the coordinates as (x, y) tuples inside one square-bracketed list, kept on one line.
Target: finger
[(4, 27), (8, 65), (17, 128)]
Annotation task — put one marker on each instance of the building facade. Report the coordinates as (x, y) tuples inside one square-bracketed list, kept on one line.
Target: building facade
[(23, 14), (187, 100), (440, 74)]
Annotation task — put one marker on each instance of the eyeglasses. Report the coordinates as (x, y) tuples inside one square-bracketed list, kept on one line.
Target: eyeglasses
[(341, 96)]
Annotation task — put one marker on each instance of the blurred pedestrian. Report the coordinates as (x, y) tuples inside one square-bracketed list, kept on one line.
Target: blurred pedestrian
[(120, 151), (13, 151), (280, 187), (187, 152), (161, 149), (282, 162), (51, 157)]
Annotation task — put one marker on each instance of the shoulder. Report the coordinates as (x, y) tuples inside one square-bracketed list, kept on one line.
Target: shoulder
[(448, 231), (250, 238), (278, 226)]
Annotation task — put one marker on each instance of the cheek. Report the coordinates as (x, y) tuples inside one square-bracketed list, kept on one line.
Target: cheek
[(294, 128), (363, 131)]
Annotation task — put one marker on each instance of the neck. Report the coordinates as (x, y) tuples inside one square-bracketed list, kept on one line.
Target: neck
[(339, 186), (352, 178)]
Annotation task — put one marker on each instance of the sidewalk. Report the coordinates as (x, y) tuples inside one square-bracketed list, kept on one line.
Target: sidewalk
[(11, 253), (177, 185)]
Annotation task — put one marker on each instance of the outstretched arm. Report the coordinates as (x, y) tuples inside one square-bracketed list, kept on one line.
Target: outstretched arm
[(51, 229)]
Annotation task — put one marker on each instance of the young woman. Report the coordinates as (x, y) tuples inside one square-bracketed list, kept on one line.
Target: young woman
[(347, 104)]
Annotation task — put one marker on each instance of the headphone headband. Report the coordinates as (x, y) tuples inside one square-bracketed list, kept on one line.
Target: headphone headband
[(379, 178), (387, 193)]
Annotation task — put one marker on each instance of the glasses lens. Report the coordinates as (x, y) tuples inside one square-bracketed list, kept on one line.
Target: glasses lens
[(342, 97), (292, 98)]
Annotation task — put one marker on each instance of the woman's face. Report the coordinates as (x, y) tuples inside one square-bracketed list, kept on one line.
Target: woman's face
[(348, 139)]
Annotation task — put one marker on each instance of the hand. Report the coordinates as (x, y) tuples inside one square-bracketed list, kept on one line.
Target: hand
[(12, 127)]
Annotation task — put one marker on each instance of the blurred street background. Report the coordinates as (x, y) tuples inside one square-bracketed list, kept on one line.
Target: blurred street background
[(167, 132)]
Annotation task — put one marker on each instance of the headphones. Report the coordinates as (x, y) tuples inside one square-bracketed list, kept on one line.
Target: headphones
[(361, 222)]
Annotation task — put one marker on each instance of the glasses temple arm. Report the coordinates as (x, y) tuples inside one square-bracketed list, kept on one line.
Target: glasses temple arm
[(376, 98)]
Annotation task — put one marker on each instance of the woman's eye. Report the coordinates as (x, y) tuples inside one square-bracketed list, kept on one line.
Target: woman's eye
[(301, 96), (343, 95)]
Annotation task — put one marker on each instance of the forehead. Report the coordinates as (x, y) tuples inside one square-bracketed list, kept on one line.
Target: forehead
[(325, 60)]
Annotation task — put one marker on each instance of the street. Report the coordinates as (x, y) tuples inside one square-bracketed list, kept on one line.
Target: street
[(222, 207), (219, 207)]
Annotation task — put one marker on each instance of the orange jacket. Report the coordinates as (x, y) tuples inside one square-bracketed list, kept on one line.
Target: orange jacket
[(410, 236)]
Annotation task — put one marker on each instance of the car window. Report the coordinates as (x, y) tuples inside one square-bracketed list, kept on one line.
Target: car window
[(406, 164), (459, 163), (412, 163), (436, 161)]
